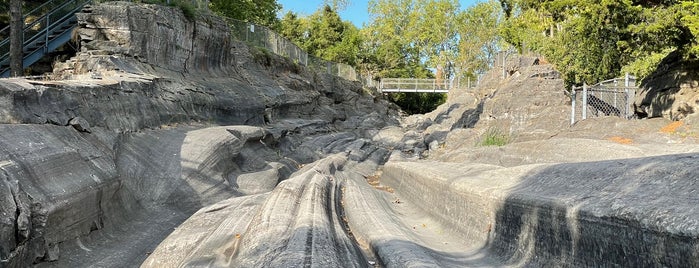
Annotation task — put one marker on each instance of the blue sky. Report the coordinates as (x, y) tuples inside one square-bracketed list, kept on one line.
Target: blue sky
[(356, 11)]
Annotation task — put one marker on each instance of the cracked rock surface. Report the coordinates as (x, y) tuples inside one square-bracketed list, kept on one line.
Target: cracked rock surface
[(169, 144)]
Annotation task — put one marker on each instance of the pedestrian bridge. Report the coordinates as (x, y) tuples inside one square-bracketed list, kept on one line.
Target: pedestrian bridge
[(395, 85)]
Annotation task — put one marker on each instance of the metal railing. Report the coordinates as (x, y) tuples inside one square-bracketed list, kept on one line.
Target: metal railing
[(389, 85), (46, 28), (612, 97)]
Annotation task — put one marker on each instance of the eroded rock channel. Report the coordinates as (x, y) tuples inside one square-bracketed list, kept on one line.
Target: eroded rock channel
[(171, 145)]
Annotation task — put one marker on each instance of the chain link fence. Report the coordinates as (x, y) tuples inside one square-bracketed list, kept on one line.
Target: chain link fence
[(612, 97), (263, 37)]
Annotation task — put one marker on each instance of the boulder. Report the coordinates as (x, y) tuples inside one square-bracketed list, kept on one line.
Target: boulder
[(671, 91), (80, 124)]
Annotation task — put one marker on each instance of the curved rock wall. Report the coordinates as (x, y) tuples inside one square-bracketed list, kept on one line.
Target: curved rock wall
[(143, 94), (671, 91), (99, 168), (610, 213)]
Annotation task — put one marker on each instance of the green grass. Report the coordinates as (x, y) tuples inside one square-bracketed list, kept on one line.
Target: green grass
[(494, 137)]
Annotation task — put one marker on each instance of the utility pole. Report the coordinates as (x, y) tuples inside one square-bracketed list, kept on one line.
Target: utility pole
[(16, 38)]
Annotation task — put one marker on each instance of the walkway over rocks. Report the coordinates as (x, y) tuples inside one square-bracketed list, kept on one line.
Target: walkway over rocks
[(414, 85)]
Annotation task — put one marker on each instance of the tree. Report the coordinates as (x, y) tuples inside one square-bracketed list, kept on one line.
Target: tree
[(291, 27), (337, 5), (262, 12), (323, 34), (479, 39), (690, 20), (406, 38), (16, 40), (391, 40), (589, 41), (436, 34)]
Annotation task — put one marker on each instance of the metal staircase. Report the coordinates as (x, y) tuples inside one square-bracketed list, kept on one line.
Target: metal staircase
[(46, 28)]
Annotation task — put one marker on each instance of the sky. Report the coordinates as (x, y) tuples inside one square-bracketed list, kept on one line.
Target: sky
[(356, 11)]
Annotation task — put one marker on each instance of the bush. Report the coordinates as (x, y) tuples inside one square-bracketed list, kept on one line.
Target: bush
[(189, 11), (261, 55), (187, 6), (494, 137)]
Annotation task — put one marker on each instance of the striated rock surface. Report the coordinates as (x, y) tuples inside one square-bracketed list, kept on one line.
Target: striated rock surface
[(138, 134), (168, 144), (672, 91)]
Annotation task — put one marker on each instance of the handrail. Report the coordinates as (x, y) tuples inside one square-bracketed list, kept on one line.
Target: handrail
[(42, 27), (49, 23), (420, 85), (27, 15)]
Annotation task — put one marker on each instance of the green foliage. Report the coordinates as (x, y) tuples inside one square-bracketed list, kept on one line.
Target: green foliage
[(406, 36), (494, 137), (261, 12), (324, 35), (261, 55), (337, 5), (690, 19), (644, 66), (429, 38), (479, 39), (417, 103), (589, 41), (189, 10)]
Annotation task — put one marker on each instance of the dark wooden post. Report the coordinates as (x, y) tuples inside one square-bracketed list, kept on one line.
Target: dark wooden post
[(16, 38)]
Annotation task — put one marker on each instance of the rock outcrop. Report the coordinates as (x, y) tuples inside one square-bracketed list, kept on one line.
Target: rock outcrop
[(166, 143), (139, 133), (672, 91)]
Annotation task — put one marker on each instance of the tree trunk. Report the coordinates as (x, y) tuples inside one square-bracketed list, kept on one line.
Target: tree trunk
[(16, 38)]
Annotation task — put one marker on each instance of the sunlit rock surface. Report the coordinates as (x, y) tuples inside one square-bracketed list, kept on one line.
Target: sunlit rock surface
[(168, 145)]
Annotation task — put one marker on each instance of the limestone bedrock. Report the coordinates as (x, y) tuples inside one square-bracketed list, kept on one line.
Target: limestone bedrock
[(165, 143)]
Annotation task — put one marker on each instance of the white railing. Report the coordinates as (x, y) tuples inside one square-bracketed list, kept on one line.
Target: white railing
[(391, 85)]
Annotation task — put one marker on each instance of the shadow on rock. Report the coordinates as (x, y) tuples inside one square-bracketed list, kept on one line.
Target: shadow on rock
[(632, 213)]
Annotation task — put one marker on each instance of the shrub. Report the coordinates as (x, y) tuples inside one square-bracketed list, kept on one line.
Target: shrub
[(189, 10), (494, 137)]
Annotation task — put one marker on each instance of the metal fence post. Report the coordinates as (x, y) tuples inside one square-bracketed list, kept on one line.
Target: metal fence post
[(584, 101), (572, 110), (628, 96)]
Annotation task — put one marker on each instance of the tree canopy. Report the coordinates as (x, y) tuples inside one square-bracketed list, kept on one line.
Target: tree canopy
[(323, 34), (262, 12), (590, 40)]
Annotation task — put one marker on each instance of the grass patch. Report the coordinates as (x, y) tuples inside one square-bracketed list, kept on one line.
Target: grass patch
[(494, 137), (261, 55)]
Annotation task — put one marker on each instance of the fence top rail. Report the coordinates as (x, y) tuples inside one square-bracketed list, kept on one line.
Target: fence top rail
[(415, 90), (408, 79), (415, 83), (606, 89), (613, 81)]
